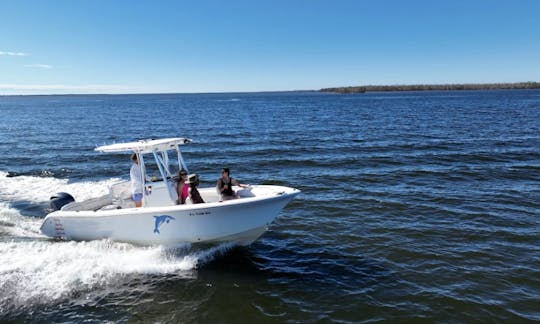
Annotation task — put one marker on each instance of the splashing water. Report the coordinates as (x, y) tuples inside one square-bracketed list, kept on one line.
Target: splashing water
[(16, 225), (39, 272), (39, 189)]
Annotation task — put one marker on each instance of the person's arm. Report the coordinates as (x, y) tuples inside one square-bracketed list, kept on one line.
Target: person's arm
[(236, 183), (219, 186)]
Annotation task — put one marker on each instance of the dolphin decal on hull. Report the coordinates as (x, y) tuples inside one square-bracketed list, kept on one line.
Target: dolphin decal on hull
[(160, 220)]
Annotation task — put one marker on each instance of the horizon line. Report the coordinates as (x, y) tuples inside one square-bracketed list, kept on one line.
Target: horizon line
[(277, 91)]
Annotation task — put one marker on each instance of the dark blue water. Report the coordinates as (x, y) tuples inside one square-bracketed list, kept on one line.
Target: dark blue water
[(415, 206)]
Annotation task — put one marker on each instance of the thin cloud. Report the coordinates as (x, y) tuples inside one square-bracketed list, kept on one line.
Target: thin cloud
[(13, 53), (39, 66)]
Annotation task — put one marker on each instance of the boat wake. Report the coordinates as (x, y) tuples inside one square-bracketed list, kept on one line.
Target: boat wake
[(40, 189), (14, 225), (35, 270)]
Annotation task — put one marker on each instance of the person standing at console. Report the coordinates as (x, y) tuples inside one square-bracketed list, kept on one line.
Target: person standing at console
[(136, 181)]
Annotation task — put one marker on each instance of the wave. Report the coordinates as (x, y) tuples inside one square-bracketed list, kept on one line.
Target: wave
[(228, 100), (13, 224), (44, 272)]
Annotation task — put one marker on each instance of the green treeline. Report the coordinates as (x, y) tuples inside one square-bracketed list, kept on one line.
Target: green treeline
[(427, 87)]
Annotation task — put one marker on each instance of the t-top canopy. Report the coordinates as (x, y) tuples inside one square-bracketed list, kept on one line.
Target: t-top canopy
[(145, 146)]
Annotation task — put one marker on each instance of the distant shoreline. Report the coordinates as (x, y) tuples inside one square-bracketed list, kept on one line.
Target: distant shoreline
[(431, 87)]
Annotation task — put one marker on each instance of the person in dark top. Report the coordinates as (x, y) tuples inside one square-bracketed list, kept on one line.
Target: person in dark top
[(194, 195), (225, 183)]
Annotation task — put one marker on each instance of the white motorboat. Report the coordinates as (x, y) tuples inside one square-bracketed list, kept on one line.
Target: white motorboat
[(161, 220)]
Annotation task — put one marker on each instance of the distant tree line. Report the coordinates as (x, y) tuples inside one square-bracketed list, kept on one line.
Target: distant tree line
[(427, 87)]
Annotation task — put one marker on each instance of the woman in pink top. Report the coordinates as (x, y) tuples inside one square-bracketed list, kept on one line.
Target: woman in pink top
[(182, 188)]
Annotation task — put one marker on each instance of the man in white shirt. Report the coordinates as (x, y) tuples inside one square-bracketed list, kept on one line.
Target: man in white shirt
[(136, 181)]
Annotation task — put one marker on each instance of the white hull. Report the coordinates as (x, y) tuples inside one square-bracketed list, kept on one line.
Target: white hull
[(240, 221)]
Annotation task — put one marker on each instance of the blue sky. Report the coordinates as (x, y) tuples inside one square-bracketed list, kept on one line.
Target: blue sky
[(117, 46)]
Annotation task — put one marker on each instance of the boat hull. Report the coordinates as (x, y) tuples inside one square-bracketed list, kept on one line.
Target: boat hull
[(239, 221)]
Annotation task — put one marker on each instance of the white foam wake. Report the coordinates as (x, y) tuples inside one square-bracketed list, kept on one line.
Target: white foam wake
[(40, 189), (39, 272), (14, 224)]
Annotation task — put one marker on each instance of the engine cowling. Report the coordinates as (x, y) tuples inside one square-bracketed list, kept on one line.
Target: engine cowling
[(60, 199)]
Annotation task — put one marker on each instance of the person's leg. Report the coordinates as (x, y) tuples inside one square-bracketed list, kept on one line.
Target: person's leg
[(137, 198)]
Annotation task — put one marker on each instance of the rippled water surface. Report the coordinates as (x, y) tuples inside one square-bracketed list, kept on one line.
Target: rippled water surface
[(414, 206)]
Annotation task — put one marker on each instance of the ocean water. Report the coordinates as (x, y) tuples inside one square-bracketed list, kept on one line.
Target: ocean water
[(415, 206)]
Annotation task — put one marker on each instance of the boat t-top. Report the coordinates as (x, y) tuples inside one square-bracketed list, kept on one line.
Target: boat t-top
[(161, 220)]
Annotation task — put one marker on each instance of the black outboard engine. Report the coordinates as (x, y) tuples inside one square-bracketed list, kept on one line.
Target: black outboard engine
[(59, 200)]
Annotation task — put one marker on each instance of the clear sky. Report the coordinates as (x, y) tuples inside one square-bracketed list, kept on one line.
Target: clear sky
[(132, 46)]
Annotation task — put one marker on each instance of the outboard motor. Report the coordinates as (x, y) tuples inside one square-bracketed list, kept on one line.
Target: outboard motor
[(60, 199)]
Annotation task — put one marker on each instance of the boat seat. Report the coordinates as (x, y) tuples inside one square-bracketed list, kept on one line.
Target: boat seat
[(121, 195), (89, 204)]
